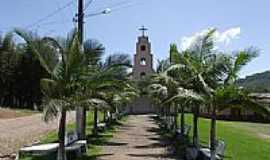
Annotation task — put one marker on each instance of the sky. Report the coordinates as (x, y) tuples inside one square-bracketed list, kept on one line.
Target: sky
[(240, 23)]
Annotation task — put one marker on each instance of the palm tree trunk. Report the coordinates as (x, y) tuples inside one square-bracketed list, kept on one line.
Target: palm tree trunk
[(61, 136), (95, 120), (164, 111), (81, 122), (182, 120), (84, 123), (213, 134), (176, 116), (111, 117), (167, 117), (195, 126), (105, 116), (116, 112)]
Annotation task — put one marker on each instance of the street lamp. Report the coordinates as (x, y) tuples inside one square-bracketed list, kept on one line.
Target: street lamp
[(105, 11)]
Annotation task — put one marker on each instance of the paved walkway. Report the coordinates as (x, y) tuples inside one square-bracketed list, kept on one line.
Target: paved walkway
[(137, 139), (15, 133)]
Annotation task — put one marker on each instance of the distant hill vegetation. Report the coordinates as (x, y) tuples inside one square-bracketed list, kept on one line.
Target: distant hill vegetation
[(259, 82)]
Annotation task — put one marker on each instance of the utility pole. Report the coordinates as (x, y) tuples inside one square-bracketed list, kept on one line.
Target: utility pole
[(80, 20), (80, 111)]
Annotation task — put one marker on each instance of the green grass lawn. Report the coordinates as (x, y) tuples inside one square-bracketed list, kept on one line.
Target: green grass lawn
[(95, 142), (53, 137), (244, 141)]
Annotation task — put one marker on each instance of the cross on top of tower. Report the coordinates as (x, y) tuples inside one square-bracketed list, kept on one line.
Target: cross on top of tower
[(143, 29)]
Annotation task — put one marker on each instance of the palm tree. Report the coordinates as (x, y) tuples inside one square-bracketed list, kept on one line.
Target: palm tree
[(228, 95), (212, 73), (102, 79), (157, 91), (162, 88), (184, 67), (93, 51), (62, 59), (202, 70), (188, 97), (123, 96)]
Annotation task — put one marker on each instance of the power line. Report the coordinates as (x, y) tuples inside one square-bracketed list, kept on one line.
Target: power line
[(124, 2), (58, 6), (116, 6), (50, 23), (109, 10), (126, 6), (88, 4), (50, 15), (53, 23), (119, 5)]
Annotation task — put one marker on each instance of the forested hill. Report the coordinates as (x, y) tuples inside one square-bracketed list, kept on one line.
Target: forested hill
[(259, 82)]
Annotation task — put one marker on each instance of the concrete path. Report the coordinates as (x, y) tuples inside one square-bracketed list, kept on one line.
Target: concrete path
[(18, 132), (137, 139)]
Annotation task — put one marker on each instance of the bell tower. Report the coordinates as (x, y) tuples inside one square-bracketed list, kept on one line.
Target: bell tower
[(143, 66), (143, 59)]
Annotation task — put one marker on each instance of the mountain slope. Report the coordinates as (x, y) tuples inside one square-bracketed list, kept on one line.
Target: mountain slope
[(259, 82)]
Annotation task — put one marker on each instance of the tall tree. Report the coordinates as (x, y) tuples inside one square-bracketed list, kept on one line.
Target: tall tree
[(93, 52), (20, 74), (102, 80), (62, 60), (213, 73)]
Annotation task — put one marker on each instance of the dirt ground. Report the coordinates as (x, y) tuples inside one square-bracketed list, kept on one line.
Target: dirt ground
[(6, 113), (137, 139), (18, 132)]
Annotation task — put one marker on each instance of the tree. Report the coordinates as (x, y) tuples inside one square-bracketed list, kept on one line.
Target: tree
[(228, 95), (187, 97), (209, 72), (102, 80), (62, 60), (162, 88), (7, 67), (93, 52), (201, 69), (215, 73)]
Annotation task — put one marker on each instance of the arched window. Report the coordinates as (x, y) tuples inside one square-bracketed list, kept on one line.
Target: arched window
[(143, 47), (143, 62)]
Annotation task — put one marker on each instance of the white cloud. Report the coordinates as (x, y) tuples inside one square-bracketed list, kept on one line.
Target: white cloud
[(221, 38), (228, 35), (190, 42)]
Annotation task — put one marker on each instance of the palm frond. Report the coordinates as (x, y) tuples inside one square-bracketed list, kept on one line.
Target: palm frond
[(52, 108), (162, 65), (42, 51), (93, 51), (244, 57), (49, 87), (7, 44), (185, 95), (233, 96), (158, 90), (97, 103)]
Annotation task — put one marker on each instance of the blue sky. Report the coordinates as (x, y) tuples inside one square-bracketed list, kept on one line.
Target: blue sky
[(168, 21)]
